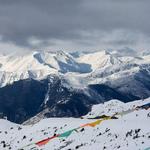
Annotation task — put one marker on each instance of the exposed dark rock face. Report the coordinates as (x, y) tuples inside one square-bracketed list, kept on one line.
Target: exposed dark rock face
[(22, 99), (109, 93)]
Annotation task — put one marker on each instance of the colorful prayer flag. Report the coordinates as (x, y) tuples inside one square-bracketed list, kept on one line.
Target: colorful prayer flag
[(84, 125), (67, 133), (45, 141), (93, 124)]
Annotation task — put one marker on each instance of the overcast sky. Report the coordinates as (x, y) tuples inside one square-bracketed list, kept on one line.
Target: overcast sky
[(74, 24)]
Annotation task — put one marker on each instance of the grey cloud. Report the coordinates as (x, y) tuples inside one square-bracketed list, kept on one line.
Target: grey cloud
[(67, 20)]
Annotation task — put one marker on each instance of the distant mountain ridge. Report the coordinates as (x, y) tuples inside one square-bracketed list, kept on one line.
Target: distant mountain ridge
[(39, 64)]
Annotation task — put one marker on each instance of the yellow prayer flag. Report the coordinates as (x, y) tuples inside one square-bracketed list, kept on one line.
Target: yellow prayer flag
[(93, 124)]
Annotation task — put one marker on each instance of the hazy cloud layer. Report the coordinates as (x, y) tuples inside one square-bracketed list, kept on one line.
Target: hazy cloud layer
[(75, 24)]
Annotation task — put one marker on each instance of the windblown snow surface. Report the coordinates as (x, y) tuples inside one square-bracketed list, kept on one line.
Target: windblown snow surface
[(128, 132)]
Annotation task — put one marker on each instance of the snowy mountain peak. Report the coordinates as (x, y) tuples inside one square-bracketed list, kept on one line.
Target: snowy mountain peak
[(99, 59)]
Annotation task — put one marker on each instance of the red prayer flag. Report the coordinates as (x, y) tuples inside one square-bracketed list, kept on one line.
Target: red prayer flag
[(45, 141)]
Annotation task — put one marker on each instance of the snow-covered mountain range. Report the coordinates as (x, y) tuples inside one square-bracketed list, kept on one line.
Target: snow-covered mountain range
[(60, 84), (37, 65), (48, 92)]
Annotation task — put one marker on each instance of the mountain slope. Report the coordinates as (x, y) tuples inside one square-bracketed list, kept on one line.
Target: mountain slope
[(51, 97), (130, 131), (22, 99)]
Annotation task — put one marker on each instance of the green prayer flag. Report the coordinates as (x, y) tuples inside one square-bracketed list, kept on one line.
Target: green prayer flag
[(66, 134)]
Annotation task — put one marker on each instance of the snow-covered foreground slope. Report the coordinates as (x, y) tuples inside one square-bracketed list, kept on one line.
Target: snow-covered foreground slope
[(128, 132)]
